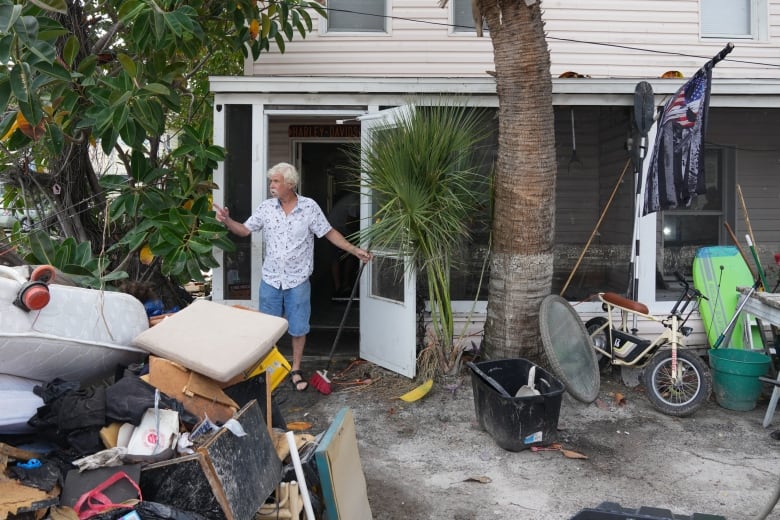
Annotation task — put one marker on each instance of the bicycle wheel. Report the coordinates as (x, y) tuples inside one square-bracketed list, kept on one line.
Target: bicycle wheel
[(600, 340), (684, 396)]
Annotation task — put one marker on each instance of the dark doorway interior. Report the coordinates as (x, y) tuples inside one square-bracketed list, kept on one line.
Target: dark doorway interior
[(326, 179)]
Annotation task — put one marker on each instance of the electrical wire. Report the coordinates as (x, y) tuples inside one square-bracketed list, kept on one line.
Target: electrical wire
[(570, 40)]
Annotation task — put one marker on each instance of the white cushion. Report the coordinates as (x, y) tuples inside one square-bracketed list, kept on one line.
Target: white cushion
[(212, 339)]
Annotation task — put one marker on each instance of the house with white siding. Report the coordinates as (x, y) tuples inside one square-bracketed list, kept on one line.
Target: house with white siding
[(370, 56)]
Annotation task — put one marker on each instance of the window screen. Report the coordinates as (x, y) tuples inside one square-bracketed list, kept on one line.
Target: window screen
[(356, 15), (726, 18), (462, 17)]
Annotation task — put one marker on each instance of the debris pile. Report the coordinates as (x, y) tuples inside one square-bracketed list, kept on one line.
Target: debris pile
[(185, 435)]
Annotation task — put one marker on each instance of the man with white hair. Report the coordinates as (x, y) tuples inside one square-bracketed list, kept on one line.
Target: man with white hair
[(289, 222)]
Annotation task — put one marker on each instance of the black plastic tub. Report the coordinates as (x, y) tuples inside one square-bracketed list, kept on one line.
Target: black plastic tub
[(516, 423)]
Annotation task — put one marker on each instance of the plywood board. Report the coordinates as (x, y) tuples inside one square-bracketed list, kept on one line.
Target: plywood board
[(341, 474), (16, 498)]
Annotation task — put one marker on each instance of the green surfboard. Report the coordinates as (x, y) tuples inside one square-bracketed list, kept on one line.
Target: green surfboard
[(717, 272)]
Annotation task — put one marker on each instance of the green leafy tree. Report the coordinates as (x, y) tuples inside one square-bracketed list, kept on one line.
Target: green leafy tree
[(127, 78)]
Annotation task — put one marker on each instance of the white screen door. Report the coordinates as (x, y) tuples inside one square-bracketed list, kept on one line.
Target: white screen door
[(387, 289)]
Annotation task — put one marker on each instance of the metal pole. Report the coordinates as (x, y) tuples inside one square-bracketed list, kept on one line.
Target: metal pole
[(734, 318)]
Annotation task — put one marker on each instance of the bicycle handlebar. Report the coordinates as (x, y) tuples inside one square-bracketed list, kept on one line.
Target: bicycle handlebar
[(694, 292)]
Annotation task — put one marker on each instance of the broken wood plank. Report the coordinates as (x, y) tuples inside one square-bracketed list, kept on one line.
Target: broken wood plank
[(16, 453)]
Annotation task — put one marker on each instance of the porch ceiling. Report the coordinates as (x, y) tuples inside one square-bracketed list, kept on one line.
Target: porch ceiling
[(303, 90)]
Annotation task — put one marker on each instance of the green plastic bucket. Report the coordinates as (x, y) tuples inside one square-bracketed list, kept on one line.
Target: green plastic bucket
[(735, 374)]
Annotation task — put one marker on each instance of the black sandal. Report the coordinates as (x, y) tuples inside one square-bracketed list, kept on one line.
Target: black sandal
[(296, 384)]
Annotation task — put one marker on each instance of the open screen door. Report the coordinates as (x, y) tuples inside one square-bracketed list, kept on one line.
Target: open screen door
[(387, 288)]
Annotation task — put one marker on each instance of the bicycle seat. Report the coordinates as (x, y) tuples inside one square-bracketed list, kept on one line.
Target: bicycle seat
[(622, 301)]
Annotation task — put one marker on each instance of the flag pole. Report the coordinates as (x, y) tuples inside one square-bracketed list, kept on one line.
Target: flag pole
[(722, 54), (636, 260), (644, 118)]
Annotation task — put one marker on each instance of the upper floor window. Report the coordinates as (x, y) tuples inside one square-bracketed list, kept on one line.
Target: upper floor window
[(357, 15), (734, 19), (463, 18)]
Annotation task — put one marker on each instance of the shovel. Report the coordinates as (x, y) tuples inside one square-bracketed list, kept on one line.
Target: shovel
[(529, 389)]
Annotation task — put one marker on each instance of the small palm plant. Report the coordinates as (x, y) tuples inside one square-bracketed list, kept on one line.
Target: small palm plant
[(423, 171)]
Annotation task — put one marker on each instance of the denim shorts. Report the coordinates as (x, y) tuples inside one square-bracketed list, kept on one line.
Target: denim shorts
[(294, 304)]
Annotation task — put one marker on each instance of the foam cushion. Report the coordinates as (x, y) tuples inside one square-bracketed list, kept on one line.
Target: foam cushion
[(212, 339)]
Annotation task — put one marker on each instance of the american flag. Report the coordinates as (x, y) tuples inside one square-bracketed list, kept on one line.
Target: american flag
[(676, 172), (684, 107)]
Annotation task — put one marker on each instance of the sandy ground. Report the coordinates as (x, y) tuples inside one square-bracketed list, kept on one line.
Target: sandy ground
[(430, 460)]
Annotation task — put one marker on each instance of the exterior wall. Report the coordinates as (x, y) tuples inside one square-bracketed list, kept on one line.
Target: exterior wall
[(757, 163), (279, 145), (579, 37), (578, 179), (368, 72), (670, 26)]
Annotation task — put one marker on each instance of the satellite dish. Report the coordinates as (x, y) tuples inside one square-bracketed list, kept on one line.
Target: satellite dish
[(569, 348)]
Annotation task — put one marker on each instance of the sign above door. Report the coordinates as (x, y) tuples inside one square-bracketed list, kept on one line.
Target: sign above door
[(322, 131)]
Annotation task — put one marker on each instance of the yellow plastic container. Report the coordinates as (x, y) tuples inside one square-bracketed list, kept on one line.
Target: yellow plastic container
[(275, 365)]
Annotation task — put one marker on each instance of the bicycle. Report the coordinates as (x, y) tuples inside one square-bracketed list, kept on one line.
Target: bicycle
[(677, 379)]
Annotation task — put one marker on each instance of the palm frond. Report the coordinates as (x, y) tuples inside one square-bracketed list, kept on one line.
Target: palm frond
[(423, 173)]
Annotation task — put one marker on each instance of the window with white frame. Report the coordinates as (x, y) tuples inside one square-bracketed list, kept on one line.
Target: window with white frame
[(686, 229), (744, 19), (462, 17), (357, 16)]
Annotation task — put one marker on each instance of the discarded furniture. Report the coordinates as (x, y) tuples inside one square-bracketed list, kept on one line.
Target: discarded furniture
[(227, 478), (79, 335), (765, 307), (218, 341), (200, 395)]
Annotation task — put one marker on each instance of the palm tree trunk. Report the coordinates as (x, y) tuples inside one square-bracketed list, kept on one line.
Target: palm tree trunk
[(523, 224)]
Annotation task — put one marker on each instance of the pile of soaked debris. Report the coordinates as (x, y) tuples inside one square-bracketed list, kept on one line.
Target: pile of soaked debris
[(105, 450), (167, 439)]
